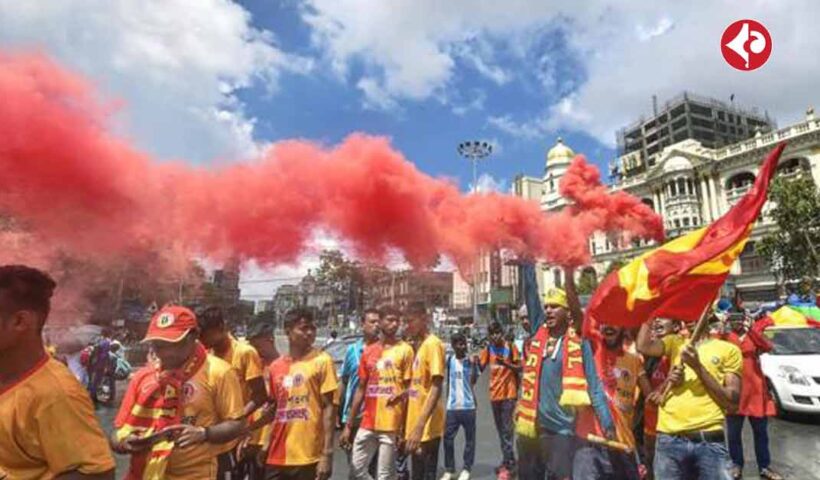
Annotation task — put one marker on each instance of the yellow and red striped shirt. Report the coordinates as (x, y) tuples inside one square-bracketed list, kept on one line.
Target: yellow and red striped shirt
[(297, 433), (384, 371)]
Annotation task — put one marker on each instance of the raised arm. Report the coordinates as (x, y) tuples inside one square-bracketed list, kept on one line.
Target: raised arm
[(529, 287), (572, 299)]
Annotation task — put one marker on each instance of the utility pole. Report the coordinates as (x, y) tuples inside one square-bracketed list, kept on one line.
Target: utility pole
[(475, 150)]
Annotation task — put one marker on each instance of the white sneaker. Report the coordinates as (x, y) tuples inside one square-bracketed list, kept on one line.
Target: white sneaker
[(448, 476), (465, 475)]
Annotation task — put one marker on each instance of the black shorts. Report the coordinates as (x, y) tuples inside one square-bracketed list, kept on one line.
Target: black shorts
[(301, 472)]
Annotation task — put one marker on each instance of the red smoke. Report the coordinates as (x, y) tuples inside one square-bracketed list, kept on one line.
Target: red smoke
[(79, 188)]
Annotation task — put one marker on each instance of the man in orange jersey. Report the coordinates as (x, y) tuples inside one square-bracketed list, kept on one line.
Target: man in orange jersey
[(47, 424), (303, 387), (384, 376), (425, 411), (622, 374), (504, 361), (182, 408), (246, 363)]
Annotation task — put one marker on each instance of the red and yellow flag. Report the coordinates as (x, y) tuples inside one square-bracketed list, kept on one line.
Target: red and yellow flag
[(681, 277)]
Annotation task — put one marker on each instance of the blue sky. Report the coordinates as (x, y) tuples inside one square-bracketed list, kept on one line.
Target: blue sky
[(208, 81), (325, 108)]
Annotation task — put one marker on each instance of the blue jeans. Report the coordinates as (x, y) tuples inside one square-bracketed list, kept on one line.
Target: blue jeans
[(734, 423), (459, 419), (594, 462), (503, 411), (679, 458)]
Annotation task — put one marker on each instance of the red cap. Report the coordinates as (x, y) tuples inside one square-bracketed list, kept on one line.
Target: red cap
[(171, 324)]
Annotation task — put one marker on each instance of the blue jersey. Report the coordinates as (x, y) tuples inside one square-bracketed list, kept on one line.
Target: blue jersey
[(350, 370), (460, 395)]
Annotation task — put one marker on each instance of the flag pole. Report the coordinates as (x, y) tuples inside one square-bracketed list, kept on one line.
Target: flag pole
[(700, 329)]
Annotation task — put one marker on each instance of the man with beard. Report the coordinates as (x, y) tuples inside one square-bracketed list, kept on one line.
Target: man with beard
[(559, 376), (622, 374), (47, 424), (182, 408), (705, 384)]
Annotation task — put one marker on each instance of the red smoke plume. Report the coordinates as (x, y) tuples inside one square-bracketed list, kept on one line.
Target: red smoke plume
[(90, 194)]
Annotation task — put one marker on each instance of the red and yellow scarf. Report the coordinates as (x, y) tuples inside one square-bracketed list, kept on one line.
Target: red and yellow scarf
[(154, 403), (573, 384)]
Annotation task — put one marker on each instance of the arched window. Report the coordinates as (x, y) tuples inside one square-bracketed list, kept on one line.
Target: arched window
[(673, 190), (792, 166), (648, 202), (681, 186), (556, 277), (740, 180)]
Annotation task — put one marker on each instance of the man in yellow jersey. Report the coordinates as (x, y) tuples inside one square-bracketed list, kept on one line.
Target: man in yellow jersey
[(384, 376), (425, 411), (706, 380), (261, 337), (47, 424), (247, 365), (303, 387), (190, 396)]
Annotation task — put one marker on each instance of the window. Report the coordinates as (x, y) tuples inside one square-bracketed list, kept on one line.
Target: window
[(673, 190), (556, 277), (681, 186), (691, 186), (677, 223), (686, 222)]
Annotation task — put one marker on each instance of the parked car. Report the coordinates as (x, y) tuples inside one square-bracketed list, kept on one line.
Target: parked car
[(792, 368), (338, 349)]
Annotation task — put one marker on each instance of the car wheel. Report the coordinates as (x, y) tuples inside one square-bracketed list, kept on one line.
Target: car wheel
[(777, 405)]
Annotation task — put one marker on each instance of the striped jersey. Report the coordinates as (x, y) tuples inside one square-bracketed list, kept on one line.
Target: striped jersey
[(460, 395)]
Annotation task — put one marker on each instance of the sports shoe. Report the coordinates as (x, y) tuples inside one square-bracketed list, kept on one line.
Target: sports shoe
[(770, 474), (464, 475), (735, 472), (448, 476)]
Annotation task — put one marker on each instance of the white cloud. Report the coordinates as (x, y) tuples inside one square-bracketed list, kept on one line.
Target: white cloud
[(488, 183), (178, 64), (626, 52)]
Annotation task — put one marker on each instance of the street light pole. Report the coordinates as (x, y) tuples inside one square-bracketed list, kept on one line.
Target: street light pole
[(475, 150)]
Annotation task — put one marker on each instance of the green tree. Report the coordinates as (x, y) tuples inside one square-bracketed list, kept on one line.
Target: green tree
[(792, 249), (587, 282)]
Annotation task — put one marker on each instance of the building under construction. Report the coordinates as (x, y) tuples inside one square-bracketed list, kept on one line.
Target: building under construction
[(711, 122)]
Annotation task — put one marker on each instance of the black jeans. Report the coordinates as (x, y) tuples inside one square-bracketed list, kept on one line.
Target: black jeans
[(424, 465), (547, 457), (734, 424), (459, 419), (503, 412), (595, 462), (301, 472)]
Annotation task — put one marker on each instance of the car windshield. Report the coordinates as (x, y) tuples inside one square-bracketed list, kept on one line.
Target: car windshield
[(795, 341), (337, 350)]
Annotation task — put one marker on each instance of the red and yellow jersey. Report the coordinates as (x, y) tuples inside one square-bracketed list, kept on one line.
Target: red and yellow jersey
[(429, 363), (48, 427), (627, 368), (213, 395), (503, 380), (299, 388), (384, 371)]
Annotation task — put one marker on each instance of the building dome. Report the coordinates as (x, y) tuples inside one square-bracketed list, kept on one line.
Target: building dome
[(560, 153), (677, 164)]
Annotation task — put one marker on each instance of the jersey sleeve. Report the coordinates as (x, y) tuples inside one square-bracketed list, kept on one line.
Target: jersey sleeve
[(436, 359), (229, 401), (733, 360), (253, 365), (71, 438), (329, 381)]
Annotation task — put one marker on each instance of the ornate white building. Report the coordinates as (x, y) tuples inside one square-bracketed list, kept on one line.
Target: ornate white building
[(690, 186)]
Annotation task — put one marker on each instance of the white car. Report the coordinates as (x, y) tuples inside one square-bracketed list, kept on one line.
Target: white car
[(792, 368)]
